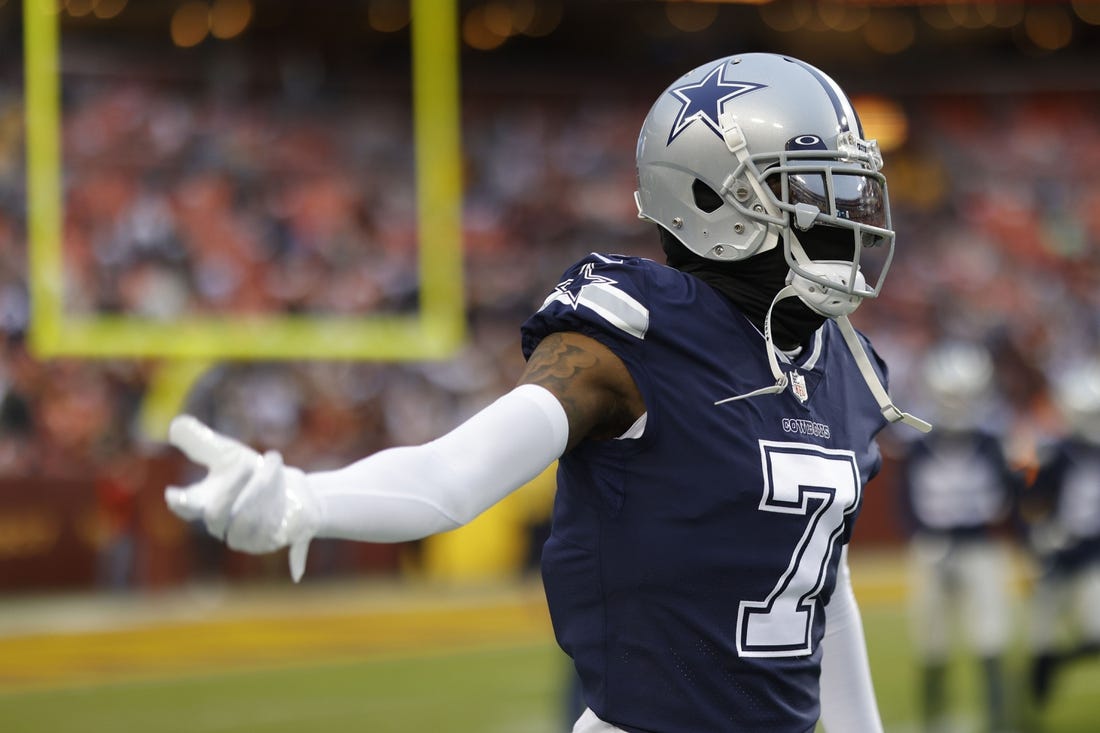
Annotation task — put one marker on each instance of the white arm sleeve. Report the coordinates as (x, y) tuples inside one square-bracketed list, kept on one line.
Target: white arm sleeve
[(847, 693), (407, 493)]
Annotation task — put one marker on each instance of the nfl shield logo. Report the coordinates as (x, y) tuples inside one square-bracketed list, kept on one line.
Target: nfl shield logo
[(798, 386)]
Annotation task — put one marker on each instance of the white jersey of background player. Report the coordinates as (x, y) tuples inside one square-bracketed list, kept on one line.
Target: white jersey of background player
[(958, 494)]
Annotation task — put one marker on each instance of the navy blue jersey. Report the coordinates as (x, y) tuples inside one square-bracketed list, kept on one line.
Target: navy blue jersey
[(687, 569), (1068, 488), (957, 483)]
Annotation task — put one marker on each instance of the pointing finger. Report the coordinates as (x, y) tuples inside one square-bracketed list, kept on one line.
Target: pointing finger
[(200, 443), (200, 499), (182, 504)]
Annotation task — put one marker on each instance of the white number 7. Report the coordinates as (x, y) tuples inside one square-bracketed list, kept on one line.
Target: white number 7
[(823, 486)]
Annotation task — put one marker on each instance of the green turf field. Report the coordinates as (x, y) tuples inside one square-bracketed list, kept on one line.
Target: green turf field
[(453, 664), (504, 689)]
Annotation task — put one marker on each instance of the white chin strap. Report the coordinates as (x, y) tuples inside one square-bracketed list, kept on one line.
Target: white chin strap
[(773, 361), (889, 410), (842, 303)]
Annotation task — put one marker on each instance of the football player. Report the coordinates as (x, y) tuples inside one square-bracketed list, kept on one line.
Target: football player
[(958, 494), (715, 421), (1063, 509)]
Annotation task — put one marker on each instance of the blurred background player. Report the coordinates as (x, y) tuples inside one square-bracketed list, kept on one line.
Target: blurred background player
[(957, 494), (1063, 510)]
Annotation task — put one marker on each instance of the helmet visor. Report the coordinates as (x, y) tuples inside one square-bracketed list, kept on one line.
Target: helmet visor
[(849, 196)]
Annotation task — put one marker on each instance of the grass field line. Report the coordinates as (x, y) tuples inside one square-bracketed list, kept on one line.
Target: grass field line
[(254, 628), (73, 640)]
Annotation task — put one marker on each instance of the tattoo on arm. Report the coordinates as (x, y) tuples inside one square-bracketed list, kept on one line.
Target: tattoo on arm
[(596, 391), (556, 365)]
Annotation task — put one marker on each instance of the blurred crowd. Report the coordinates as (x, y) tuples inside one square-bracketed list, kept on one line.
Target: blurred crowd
[(180, 204), (1005, 253), (220, 198)]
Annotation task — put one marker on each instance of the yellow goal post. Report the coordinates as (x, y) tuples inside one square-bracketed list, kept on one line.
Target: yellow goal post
[(435, 331)]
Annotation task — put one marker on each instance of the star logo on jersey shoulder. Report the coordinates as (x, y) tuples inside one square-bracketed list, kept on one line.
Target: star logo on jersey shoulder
[(703, 101), (565, 289)]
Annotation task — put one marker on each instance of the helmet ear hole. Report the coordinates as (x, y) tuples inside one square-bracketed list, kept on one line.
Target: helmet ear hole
[(706, 198)]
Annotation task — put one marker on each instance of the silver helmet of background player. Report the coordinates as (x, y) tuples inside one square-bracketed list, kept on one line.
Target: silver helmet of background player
[(754, 151), (1077, 392), (959, 377)]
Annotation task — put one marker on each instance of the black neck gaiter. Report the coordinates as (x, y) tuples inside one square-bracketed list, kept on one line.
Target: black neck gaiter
[(751, 284)]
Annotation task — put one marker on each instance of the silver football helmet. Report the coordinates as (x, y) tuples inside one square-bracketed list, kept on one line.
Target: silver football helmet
[(746, 152), (743, 154), (959, 377), (1077, 393), (958, 371)]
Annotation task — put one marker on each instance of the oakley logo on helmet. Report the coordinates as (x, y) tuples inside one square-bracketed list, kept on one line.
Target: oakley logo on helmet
[(704, 101), (806, 142)]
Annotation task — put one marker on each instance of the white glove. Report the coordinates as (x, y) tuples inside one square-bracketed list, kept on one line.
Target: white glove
[(254, 503)]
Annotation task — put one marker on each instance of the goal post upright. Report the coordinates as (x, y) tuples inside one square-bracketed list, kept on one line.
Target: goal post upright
[(435, 331), (187, 346)]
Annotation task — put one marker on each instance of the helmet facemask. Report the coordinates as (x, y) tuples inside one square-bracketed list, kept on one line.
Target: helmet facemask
[(811, 193)]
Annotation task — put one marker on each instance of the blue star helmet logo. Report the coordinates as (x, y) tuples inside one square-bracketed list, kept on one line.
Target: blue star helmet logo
[(704, 101)]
